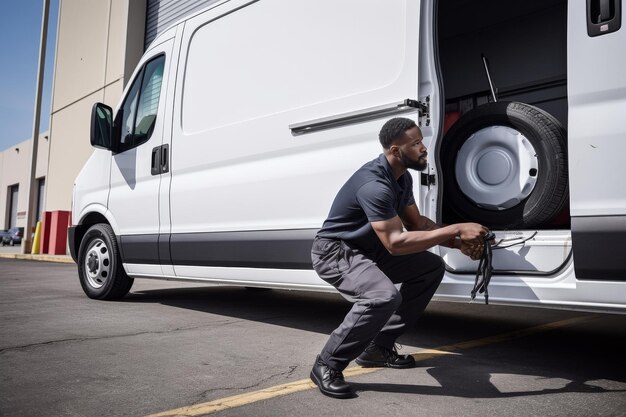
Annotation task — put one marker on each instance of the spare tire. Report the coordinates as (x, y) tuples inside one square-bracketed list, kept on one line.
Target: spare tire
[(504, 165)]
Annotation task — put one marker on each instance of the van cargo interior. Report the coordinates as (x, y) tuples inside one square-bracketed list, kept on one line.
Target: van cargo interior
[(524, 45)]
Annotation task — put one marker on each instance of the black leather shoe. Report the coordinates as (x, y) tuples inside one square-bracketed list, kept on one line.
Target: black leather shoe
[(377, 356), (330, 381)]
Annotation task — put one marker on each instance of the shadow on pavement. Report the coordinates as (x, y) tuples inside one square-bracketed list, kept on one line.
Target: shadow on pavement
[(316, 312), (586, 358)]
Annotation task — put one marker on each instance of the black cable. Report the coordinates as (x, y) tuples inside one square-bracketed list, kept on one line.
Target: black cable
[(521, 242), (485, 270)]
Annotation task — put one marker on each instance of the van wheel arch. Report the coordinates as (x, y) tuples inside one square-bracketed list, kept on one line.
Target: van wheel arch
[(84, 225)]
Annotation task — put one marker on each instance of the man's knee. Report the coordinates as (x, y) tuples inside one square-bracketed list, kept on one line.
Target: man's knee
[(388, 300), (436, 275), (434, 269), (438, 267)]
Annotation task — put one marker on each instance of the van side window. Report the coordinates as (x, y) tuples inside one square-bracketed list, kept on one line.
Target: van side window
[(136, 118)]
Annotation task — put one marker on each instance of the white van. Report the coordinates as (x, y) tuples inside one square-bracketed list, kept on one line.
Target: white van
[(242, 121)]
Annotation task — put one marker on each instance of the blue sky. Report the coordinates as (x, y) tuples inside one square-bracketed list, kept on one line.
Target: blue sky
[(20, 29)]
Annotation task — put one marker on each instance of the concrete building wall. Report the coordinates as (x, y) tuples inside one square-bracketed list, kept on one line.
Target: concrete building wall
[(15, 170), (99, 42)]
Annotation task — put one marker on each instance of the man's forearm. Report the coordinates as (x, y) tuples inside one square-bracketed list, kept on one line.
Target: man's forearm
[(412, 241), (427, 224)]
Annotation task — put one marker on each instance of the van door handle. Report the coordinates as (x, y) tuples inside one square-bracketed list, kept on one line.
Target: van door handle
[(603, 16), (605, 11), (160, 160), (155, 164), (165, 163)]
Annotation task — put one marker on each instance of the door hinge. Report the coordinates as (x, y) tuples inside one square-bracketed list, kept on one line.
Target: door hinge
[(424, 111), (423, 107), (427, 179)]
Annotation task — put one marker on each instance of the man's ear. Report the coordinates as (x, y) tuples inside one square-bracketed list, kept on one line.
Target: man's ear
[(394, 150)]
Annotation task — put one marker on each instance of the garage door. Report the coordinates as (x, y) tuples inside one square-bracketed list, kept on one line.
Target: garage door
[(163, 13)]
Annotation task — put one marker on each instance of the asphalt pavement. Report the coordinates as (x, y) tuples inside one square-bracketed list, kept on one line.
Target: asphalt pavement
[(173, 348)]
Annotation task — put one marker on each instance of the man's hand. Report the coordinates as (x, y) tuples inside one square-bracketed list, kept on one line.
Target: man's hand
[(469, 232), (474, 249), (472, 237)]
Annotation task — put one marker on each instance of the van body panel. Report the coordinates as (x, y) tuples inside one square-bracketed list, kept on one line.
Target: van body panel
[(236, 164), (597, 145), (91, 187)]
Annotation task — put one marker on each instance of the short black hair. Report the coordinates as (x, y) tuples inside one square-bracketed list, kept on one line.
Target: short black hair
[(394, 129)]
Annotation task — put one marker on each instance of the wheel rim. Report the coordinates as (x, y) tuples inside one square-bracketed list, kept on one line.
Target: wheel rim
[(97, 263), (497, 168)]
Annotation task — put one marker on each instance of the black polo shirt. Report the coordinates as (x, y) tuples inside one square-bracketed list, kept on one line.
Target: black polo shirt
[(371, 194)]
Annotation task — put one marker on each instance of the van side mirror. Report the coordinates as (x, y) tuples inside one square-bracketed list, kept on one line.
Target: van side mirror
[(101, 126)]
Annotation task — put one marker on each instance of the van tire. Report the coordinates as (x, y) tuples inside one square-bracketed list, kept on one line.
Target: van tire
[(100, 269), (549, 191)]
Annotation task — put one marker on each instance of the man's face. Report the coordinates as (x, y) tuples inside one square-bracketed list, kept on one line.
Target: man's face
[(411, 150)]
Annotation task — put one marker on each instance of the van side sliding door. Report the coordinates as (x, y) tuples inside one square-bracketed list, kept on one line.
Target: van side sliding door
[(277, 104), (596, 61)]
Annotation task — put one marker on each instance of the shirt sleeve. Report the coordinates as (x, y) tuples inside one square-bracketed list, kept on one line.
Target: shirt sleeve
[(376, 200)]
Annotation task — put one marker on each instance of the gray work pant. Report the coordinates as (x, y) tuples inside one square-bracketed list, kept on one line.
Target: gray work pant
[(381, 312)]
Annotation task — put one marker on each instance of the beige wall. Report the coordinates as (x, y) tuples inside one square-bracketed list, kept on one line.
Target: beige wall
[(15, 169), (99, 42)]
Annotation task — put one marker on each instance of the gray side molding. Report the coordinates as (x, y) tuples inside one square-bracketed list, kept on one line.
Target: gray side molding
[(599, 246), (280, 249)]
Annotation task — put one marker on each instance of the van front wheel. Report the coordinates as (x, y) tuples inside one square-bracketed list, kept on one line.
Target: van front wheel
[(100, 268)]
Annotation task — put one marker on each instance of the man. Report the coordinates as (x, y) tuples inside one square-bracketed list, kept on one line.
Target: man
[(375, 237)]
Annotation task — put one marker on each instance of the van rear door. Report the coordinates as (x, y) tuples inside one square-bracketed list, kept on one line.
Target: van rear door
[(596, 61)]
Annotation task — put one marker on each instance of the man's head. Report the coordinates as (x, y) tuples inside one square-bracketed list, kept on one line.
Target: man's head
[(402, 139)]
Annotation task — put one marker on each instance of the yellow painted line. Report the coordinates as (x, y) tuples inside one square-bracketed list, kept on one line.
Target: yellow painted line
[(306, 384), (46, 258)]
